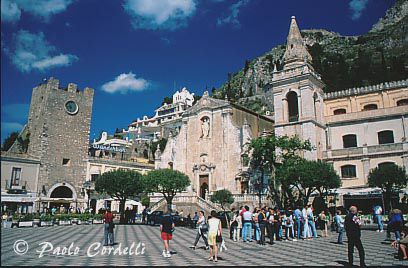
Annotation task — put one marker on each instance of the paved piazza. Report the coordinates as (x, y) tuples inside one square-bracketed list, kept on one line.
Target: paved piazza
[(322, 251)]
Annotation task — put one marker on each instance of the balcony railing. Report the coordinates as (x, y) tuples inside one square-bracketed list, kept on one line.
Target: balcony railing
[(373, 149)]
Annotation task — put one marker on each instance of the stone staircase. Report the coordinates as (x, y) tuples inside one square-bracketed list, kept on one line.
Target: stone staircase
[(188, 203)]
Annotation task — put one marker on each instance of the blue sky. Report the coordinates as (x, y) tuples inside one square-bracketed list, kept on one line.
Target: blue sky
[(136, 52)]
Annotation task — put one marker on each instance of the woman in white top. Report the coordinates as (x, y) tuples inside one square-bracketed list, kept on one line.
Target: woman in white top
[(214, 228)]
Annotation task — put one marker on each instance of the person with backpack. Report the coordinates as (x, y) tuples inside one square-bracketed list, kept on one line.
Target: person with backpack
[(202, 230), (340, 227)]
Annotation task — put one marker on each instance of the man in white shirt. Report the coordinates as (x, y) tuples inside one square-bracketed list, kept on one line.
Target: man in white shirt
[(247, 224)]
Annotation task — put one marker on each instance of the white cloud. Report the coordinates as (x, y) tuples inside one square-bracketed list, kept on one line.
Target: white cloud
[(17, 111), (10, 12), (124, 83), (60, 60), (233, 17), (160, 14), (32, 51), (357, 7), (40, 8)]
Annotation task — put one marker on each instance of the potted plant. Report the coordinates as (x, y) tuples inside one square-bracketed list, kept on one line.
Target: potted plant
[(75, 219), (83, 218), (36, 220), (26, 221), (46, 220), (15, 220), (64, 219), (98, 218)]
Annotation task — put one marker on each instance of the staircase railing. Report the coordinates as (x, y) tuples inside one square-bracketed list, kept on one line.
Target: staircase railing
[(158, 204)]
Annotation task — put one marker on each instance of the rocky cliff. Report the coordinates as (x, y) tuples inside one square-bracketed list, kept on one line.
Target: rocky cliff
[(343, 61)]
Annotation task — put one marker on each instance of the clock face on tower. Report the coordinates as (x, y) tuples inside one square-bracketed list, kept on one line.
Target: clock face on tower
[(71, 107)]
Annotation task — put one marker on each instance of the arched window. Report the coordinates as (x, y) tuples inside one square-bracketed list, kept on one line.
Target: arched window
[(339, 111), (369, 107), (293, 106), (349, 140), (61, 192), (402, 102), (384, 164), (348, 171), (386, 136)]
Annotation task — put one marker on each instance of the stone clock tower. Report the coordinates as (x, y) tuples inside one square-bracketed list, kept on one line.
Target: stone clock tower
[(59, 127)]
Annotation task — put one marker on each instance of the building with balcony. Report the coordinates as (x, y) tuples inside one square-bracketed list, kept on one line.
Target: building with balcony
[(19, 182)]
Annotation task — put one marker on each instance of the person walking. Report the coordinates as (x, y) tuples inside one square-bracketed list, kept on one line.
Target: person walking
[(395, 223), (195, 220), (166, 229), (353, 231), (202, 230), (340, 227), (378, 217), (108, 227), (214, 229), (247, 227)]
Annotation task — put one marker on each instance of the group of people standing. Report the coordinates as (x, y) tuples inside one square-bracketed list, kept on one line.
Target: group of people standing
[(267, 222)]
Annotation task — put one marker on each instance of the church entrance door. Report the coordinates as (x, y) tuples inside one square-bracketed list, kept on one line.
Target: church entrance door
[(203, 186)]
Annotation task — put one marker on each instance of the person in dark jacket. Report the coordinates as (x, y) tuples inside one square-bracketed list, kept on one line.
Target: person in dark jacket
[(395, 224), (352, 224)]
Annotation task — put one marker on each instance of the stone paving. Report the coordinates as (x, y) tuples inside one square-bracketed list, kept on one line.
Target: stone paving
[(321, 252)]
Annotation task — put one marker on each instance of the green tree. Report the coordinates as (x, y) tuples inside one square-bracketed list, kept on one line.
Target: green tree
[(145, 200), (162, 145), (307, 176), (8, 142), (23, 142), (120, 184), (390, 178), (168, 182), (262, 152), (167, 100), (223, 197)]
